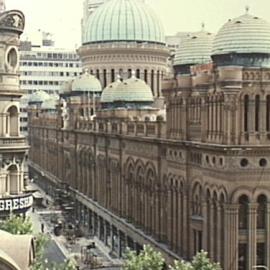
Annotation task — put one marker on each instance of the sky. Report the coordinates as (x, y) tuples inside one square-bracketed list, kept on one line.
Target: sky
[(63, 17)]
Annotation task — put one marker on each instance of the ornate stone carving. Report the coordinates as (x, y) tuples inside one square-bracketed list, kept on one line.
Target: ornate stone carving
[(12, 20)]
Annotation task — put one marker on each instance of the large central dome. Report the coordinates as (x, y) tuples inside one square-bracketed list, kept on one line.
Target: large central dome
[(123, 20)]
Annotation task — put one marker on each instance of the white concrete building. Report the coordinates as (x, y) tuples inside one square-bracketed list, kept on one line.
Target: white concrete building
[(44, 67)]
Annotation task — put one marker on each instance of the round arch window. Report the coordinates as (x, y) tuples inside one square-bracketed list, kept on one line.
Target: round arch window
[(244, 162), (12, 58), (263, 162)]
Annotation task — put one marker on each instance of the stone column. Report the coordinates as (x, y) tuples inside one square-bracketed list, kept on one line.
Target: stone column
[(174, 232), (214, 115), (169, 228), (205, 226), (218, 240), (204, 122), (179, 222), (252, 240), (231, 237), (7, 125), (185, 227), (212, 250), (268, 235)]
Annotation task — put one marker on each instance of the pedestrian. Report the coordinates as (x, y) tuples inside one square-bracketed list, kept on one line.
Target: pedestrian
[(42, 227)]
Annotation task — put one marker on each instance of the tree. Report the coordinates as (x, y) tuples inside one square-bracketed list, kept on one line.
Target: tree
[(199, 262), (148, 259), (17, 225), (20, 225), (202, 262), (181, 265)]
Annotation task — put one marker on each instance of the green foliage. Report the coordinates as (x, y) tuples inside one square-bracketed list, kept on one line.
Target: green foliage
[(44, 265), (68, 265), (202, 262), (40, 242), (20, 225), (199, 262), (148, 259), (181, 265), (17, 225)]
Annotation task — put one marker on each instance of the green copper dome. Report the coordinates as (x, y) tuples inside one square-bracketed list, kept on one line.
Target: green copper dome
[(244, 35), (133, 90), (86, 83), (130, 90), (123, 20), (195, 49), (38, 96), (107, 94)]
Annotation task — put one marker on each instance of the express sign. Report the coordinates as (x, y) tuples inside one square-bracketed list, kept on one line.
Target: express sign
[(16, 203)]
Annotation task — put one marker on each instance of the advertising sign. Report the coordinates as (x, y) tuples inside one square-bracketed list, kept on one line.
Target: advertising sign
[(17, 204)]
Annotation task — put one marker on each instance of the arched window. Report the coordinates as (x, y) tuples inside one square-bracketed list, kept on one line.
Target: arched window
[(112, 75), (246, 105), (12, 123), (257, 113), (197, 201), (13, 179), (145, 75), (261, 212), (243, 212), (158, 84), (152, 81), (138, 73), (105, 77), (140, 175), (97, 74), (129, 73)]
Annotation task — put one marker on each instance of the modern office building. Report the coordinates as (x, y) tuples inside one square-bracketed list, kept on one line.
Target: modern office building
[(43, 67), (46, 68)]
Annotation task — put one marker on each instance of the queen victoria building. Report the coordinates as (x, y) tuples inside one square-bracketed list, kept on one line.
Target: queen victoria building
[(180, 161)]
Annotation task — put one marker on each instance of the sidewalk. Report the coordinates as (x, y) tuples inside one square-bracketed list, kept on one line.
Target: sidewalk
[(68, 249)]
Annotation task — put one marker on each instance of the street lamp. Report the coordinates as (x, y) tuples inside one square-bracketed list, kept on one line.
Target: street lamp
[(260, 266)]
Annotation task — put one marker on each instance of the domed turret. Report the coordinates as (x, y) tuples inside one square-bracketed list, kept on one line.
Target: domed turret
[(38, 97), (132, 91), (107, 94), (243, 41), (195, 49), (86, 83), (123, 20), (50, 104)]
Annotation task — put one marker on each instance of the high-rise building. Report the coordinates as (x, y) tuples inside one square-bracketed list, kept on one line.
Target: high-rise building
[(43, 67), (13, 147)]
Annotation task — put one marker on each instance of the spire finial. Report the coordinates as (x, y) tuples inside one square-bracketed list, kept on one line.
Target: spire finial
[(247, 9), (2, 6), (203, 26)]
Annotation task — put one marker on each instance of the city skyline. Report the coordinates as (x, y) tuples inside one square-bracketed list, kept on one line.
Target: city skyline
[(213, 13)]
